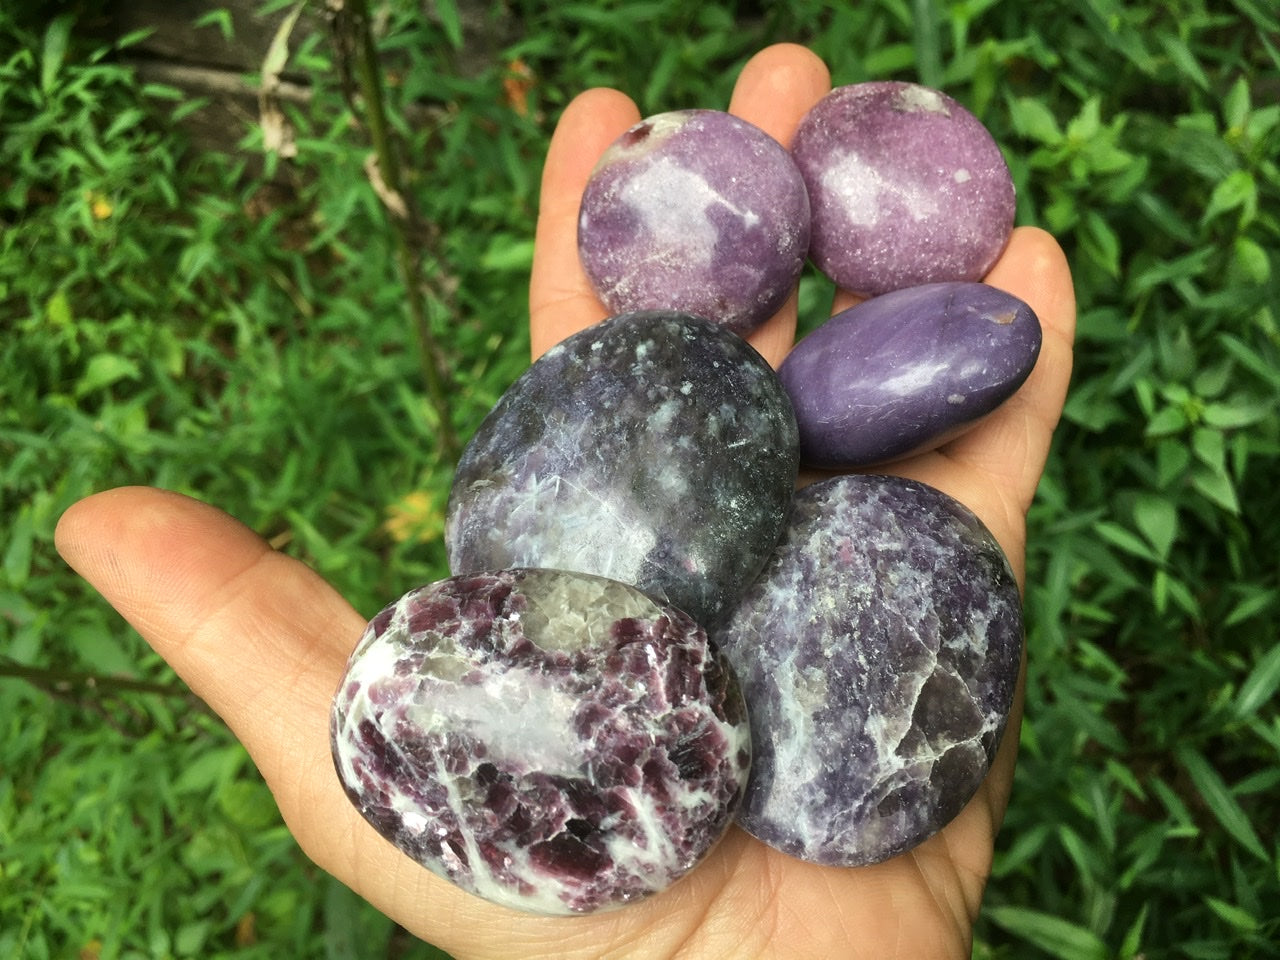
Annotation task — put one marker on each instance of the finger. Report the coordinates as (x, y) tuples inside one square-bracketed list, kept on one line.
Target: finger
[(774, 91), (1012, 444), (263, 640), (843, 300), (256, 634), (179, 571), (561, 300), (777, 87), (995, 467), (1041, 277)]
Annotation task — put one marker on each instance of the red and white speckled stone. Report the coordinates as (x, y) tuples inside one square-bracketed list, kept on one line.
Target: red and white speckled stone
[(697, 211), (906, 187), (554, 742)]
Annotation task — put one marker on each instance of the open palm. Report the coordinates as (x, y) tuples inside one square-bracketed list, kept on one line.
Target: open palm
[(263, 639)]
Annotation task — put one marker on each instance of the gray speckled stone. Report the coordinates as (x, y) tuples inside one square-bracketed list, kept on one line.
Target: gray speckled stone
[(654, 448), (878, 654), (550, 741)]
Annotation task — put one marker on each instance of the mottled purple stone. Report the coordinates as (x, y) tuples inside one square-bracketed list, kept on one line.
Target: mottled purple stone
[(878, 654), (653, 448), (905, 372), (698, 211), (554, 742), (906, 187)]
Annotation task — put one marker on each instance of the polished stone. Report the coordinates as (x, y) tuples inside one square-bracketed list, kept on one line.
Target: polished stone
[(878, 653), (698, 211), (906, 187), (905, 372), (554, 742), (654, 448)]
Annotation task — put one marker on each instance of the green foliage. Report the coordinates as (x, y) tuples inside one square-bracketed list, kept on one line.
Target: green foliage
[(207, 842), (1142, 823), (1152, 733), (172, 317)]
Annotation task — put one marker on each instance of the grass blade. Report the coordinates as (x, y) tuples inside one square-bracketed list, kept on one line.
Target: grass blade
[(928, 52), (1260, 686), (1053, 935), (1220, 801), (450, 21), (56, 37)]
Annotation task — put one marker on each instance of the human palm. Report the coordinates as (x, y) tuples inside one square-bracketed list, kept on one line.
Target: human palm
[(263, 639)]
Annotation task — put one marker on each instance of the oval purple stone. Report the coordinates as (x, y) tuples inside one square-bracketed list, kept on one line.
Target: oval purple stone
[(907, 371)]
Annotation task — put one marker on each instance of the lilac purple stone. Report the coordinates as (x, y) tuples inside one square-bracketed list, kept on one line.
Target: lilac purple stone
[(906, 371), (654, 448), (698, 211), (906, 187), (550, 741), (878, 654)]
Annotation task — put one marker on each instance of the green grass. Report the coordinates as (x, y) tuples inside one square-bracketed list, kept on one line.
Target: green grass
[(168, 318)]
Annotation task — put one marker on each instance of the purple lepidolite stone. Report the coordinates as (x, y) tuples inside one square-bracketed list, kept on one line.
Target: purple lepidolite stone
[(906, 371), (906, 187), (878, 654), (698, 211), (551, 741), (653, 448)]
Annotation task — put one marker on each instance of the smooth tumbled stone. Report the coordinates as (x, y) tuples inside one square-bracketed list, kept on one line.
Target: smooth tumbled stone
[(878, 654), (550, 741), (906, 187), (653, 448), (905, 372), (698, 211)]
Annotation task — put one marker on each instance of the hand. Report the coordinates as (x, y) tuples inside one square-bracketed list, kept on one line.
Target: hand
[(263, 639)]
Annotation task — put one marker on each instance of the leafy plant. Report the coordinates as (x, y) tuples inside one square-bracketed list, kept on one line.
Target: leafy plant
[(172, 317), (166, 326)]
